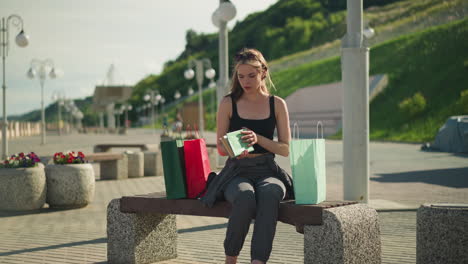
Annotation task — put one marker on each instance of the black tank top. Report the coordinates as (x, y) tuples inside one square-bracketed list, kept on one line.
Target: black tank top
[(265, 127)]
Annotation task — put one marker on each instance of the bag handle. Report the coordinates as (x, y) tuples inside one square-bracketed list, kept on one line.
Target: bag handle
[(188, 130), (192, 133), (319, 123), (295, 130)]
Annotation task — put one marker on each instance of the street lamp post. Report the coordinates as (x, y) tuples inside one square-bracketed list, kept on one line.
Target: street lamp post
[(225, 12), (355, 79), (177, 95), (127, 108), (22, 40), (162, 100), (42, 68), (190, 91), (189, 74), (70, 107), (58, 97), (153, 99), (212, 85), (79, 117)]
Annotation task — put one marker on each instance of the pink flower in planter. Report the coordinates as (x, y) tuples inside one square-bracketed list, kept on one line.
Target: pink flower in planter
[(21, 160), (69, 158)]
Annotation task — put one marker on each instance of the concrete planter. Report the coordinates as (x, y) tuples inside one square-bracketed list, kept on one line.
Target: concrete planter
[(70, 185), (23, 188)]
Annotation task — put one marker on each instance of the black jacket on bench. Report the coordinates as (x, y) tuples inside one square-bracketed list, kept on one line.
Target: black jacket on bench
[(232, 168)]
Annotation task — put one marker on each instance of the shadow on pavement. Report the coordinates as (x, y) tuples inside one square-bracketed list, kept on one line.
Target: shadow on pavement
[(202, 228), (44, 210), (72, 244), (453, 177)]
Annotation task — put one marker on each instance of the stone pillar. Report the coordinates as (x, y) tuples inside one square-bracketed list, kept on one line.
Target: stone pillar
[(139, 238), (349, 234), (136, 164), (151, 163), (17, 128), (110, 116), (114, 169), (442, 233)]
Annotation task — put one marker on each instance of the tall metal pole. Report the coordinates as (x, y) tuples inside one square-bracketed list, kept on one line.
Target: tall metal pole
[(152, 100), (5, 121), (355, 72), (101, 121), (199, 76), (59, 117), (43, 123), (44, 68), (126, 117), (222, 88), (22, 41)]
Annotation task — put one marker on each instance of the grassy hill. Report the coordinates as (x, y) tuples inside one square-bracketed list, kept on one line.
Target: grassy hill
[(389, 21), (433, 63)]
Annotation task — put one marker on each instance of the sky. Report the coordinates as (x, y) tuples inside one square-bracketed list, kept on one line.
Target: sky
[(83, 38)]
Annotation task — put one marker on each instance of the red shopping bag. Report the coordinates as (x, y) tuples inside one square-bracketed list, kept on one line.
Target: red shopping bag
[(197, 166)]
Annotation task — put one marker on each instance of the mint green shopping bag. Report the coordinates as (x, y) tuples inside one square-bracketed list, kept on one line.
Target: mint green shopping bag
[(307, 158)]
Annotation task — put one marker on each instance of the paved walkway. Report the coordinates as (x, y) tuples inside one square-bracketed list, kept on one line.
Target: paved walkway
[(401, 177)]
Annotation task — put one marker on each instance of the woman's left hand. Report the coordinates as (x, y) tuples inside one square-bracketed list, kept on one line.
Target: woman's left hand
[(249, 137)]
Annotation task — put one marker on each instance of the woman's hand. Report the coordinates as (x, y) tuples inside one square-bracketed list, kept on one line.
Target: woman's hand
[(244, 154), (249, 137)]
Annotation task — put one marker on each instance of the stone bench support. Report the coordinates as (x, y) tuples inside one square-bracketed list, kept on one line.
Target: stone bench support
[(135, 164), (113, 166), (139, 238), (442, 234), (349, 234), (153, 163), (114, 169)]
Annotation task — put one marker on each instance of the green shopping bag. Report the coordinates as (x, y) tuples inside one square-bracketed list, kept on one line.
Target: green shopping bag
[(174, 168), (307, 158)]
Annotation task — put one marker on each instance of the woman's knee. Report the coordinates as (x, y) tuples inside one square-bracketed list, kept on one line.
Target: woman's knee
[(245, 199), (272, 192)]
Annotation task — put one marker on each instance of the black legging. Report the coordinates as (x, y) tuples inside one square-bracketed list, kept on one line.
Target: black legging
[(255, 193)]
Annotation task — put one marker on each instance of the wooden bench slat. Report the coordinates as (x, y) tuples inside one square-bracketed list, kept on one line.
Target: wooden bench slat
[(289, 212), (161, 205)]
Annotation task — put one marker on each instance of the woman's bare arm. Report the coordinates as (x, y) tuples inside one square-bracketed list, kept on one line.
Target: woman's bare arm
[(222, 123)]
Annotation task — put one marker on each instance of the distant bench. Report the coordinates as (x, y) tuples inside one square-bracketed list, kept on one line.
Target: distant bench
[(107, 147), (113, 166), (142, 228)]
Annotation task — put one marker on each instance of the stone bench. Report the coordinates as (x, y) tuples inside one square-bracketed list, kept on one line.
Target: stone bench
[(442, 233), (107, 147), (142, 228), (113, 166)]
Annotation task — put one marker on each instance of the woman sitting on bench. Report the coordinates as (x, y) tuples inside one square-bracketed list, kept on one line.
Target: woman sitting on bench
[(257, 189)]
